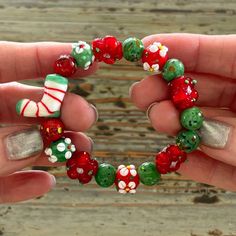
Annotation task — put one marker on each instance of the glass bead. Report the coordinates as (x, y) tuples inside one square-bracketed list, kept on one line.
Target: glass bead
[(83, 54), (154, 57), (191, 118), (51, 130), (106, 174), (188, 140), (82, 167), (60, 150), (133, 49), (65, 66), (107, 49), (148, 174), (183, 93), (175, 153), (172, 69), (127, 179)]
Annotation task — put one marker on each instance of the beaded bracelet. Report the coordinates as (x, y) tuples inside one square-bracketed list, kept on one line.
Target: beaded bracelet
[(80, 165)]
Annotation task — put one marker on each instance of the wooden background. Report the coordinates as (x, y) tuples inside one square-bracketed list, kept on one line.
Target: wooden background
[(176, 207)]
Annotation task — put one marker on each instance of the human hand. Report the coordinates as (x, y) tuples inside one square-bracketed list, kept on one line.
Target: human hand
[(211, 60), (31, 61)]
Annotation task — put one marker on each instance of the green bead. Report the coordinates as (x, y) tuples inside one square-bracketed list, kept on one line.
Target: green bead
[(148, 174), (83, 54), (60, 150), (106, 175), (191, 118), (172, 69), (188, 140), (132, 49)]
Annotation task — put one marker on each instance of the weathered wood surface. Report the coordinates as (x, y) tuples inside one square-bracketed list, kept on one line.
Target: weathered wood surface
[(176, 207)]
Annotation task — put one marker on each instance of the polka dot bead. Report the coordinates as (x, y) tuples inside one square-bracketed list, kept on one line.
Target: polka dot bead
[(83, 54), (60, 150)]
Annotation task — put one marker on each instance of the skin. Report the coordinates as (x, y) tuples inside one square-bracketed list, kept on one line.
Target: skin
[(29, 61), (212, 61)]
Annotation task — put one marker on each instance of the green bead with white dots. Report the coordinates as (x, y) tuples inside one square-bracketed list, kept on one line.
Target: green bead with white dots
[(60, 150), (83, 54), (191, 118), (188, 140), (148, 174), (172, 69), (106, 175)]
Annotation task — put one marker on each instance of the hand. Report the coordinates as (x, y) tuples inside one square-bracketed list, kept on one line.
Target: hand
[(21, 61), (211, 60)]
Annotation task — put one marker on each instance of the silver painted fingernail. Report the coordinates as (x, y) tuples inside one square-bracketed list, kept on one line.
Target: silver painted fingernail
[(23, 144), (214, 133)]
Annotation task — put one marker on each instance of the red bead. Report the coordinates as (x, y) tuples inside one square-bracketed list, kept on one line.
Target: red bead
[(107, 49), (163, 162), (176, 153), (51, 130), (154, 57), (170, 159), (81, 167), (127, 179), (65, 66), (182, 92)]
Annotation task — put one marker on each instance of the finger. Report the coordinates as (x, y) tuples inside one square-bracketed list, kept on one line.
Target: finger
[(214, 91), (25, 185), (84, 114), (213, 54), (24, 61), (219, 134), (202, 168), (22, 146)]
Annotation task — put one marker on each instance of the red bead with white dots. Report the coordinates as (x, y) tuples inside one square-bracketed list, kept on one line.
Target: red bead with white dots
[(82, 167), (154, 57), (182, 92), (107, 49), (170, 159), (127, 179)]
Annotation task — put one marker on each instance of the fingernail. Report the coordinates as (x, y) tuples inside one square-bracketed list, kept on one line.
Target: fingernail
[(53, 181), (92, 143), (95, 112), (149, 109), (214, 133), (23, 144)]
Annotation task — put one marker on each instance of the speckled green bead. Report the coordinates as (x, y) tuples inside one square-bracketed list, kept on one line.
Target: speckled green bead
[(83, 54), (132, 49), (172, 69), (148, 174), (188, 140), (106, 175), (191, 118)]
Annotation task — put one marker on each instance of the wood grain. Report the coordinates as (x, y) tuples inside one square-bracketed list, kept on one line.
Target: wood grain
[(177, 206)]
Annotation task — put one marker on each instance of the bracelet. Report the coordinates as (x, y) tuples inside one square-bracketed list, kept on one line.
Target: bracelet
[(80, 165)]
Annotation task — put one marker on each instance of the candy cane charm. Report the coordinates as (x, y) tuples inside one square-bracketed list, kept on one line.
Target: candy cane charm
[(55, 87)]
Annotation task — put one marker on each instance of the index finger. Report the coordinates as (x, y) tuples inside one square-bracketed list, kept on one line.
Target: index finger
[(22, 61), (212, 54)]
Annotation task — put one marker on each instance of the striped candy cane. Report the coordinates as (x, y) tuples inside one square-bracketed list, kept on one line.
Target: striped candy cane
[(55, 87)]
